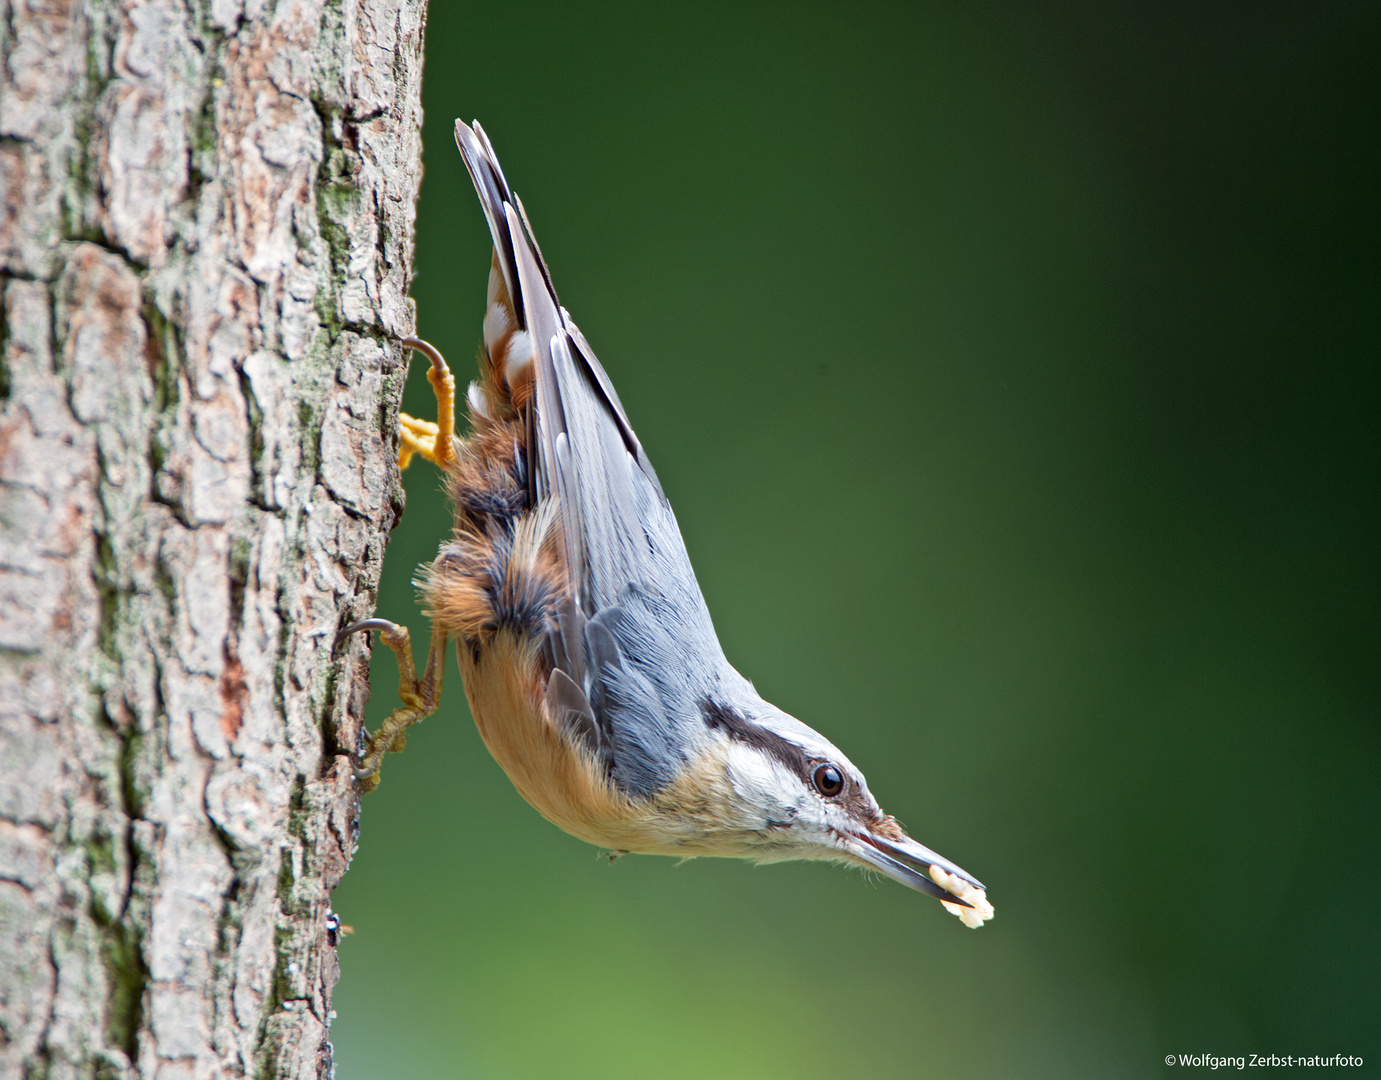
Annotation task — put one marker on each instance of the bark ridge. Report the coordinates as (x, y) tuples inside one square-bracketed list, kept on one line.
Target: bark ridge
[(206, 220)]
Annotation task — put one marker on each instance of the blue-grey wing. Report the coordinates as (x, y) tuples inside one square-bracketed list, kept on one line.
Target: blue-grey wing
[(634, 654)]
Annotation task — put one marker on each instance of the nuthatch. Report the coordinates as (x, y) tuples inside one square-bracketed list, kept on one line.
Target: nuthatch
[(589, 659)]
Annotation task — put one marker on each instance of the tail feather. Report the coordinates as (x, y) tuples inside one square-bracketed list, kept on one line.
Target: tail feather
[(494, 192), (522, 318)]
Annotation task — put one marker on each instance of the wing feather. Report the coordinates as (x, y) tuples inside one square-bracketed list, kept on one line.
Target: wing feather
[(633, 597)]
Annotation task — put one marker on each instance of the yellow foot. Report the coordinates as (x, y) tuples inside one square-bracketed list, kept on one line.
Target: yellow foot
[(415, 437), (422, 436), (420, 696)]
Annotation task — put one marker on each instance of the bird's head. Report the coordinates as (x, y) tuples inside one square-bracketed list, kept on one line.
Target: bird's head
[(791, 794)]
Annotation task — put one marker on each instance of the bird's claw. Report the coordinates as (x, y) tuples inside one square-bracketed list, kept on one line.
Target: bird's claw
[(419, 696), (364, 624), (422, 437)]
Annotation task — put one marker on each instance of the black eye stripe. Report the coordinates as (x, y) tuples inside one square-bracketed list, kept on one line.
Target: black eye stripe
[(833, 786), (722, 718)]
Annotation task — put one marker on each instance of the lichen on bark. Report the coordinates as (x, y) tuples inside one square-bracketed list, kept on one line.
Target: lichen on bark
[(206, 214)]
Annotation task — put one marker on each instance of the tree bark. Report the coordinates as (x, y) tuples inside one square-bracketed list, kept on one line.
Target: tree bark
[(206, 217)]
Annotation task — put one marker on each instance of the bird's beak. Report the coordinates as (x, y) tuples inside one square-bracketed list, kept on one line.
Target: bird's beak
[(915, 865)]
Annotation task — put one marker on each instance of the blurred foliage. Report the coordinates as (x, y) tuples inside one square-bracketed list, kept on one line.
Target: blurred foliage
[(1013, 372)]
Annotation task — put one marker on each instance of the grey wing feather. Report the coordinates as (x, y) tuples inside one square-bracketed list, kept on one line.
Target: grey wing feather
[(636, 638)]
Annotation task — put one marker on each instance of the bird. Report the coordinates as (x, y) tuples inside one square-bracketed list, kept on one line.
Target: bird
[(591, 665)]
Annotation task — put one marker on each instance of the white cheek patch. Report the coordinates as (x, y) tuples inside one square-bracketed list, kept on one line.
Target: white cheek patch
[(762, 789), (750, 772)]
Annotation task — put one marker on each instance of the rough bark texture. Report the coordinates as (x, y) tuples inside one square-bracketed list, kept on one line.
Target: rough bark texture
[(206, 213)]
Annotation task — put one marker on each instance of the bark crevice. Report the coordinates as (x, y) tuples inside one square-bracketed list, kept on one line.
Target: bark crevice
[(205, 249)]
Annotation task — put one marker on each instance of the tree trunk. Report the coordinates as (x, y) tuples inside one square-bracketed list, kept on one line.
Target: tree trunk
[(206, 215)]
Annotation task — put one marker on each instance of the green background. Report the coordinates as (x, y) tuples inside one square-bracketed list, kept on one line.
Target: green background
[(1015, 380)]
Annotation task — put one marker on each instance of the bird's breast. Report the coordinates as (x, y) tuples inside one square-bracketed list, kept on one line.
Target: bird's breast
[(694, 815), (505, 684)]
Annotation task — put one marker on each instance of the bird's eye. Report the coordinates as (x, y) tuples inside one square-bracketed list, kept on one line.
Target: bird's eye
[(828, 781)]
